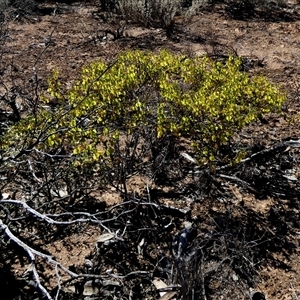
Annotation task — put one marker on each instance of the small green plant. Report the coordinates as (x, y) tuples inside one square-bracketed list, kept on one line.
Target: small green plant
[(203, 101)]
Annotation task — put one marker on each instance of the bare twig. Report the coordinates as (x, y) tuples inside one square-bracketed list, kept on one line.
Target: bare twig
[(32, 253), (276, 148), (202, 276), (240, 181), (58, 283)]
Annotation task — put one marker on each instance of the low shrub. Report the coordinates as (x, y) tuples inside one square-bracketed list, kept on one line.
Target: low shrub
[(177, 97), (150, 13), (154, 13)]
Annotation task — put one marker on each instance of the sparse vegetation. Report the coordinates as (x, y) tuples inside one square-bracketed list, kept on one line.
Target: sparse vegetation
[(154, 13), (150, 13), (152, 173)]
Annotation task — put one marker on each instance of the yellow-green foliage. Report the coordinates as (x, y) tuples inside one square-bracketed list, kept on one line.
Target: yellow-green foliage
[(196, 98)]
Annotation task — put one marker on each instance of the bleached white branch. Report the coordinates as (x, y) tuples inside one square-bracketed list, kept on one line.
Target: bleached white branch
[(32, 171), (32, 253)]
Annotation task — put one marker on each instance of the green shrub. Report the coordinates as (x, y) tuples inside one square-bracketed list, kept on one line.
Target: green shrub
[(203, 101)]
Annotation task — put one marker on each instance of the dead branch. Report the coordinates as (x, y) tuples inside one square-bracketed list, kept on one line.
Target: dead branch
[(90, 218), (276, 148), (32, 253), (240, 181)]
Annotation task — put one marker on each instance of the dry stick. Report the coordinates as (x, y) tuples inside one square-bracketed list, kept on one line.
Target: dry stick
[(32, 171), (32, 252), (47, 44), (280, 147), (202, 274), (58, 283), (36, 276), (91, 218), (42, 216), (242, 182)]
